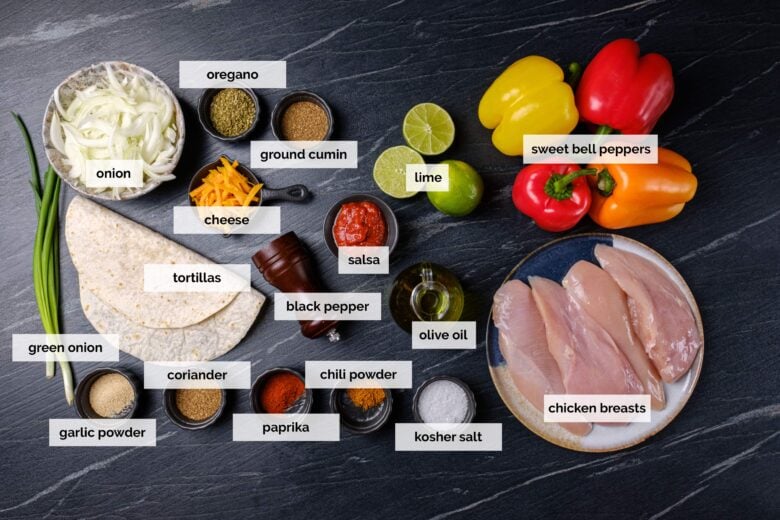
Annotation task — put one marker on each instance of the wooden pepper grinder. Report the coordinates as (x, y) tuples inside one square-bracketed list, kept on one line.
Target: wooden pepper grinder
[(287, 265)]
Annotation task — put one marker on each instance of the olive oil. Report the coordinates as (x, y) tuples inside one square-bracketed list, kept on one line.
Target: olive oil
[(425, 292)]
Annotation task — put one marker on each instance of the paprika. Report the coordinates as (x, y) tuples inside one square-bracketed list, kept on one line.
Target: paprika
[(280, 392)]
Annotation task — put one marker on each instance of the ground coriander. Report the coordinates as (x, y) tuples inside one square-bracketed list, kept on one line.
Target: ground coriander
[(198, 404), (232, 112), (304, 121)]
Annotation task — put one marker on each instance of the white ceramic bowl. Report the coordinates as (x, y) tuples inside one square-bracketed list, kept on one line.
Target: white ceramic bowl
[(82, 79)]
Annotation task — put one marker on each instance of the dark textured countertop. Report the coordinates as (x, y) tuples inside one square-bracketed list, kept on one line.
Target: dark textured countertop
[(372, 61)]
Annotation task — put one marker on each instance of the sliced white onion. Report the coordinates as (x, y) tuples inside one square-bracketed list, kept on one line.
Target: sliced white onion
[(120, 117), (55, 132)]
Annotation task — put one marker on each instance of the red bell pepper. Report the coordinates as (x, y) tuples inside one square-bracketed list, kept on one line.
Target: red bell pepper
[(555, 196), (621, 91)]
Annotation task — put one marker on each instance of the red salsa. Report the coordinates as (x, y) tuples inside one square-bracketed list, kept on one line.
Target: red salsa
[(360, 224)]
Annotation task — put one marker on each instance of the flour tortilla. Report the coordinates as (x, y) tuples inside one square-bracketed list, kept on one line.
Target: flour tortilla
[(202, 341), (109, 252)]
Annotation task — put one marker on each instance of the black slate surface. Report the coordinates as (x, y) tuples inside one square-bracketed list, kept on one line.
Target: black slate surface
[(372, 61)]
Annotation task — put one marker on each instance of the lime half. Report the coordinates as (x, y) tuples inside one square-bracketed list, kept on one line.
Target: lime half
[(390, 170), (429, 129)]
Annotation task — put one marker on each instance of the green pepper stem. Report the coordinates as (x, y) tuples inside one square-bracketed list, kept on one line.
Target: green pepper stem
[(575, 73), (559, 186), (605, 183), (604, 130)]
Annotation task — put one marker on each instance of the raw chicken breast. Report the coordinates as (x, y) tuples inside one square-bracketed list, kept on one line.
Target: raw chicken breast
[(589, 360), (660, 313), (523, 344), (602, 298)]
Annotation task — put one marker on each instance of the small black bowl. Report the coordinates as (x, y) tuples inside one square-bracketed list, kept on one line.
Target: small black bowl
[(390, 221), (293, 97), (302, 405), (180, 420), (204, 109), (354, 418), (83, 407), (471, 402)]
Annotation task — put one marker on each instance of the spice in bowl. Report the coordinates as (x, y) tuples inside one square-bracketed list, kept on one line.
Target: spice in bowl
[(366, 398), (443, 401), (111, 395), (280, 392), (362, 410), (304, 121), (198, 404), (232, 112), (360, 224)]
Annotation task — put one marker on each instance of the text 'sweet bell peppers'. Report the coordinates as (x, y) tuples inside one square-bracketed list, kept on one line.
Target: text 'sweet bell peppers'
[(555, 196), (627, 195), (529, 97), (621, 91)]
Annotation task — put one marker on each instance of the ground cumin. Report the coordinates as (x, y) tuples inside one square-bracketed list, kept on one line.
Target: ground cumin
[(304, 121), (366, 398)]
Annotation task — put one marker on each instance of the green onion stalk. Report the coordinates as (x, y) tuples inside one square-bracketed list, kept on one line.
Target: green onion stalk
[(46, 257)]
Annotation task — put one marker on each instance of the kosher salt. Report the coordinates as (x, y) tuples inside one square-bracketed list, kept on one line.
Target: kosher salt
[(443, 402)]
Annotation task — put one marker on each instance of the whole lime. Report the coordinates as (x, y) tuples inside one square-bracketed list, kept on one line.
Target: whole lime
[(465, 193)]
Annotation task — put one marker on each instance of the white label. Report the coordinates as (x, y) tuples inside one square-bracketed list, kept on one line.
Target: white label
[(286, 427), (328, 306), (227, 220), (238, 74), (207, 374), (444, 334), (76, 347), (358, 374), (585, 149), (196, 277), (364, 260), (448, 437), (115, 173), (102, 432), (304, 154), (597, 408), (427, 177)]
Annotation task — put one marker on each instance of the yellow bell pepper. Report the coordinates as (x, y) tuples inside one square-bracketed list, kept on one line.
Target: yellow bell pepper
[(529, 97), (626, 195)]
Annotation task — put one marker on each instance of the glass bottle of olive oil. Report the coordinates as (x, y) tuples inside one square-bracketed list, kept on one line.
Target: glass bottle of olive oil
[(425, 292)]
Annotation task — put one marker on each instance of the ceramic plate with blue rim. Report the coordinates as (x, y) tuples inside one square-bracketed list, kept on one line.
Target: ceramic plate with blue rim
[(553, 261)]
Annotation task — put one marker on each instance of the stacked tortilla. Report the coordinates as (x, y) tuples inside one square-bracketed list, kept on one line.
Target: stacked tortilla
[(109, 253)]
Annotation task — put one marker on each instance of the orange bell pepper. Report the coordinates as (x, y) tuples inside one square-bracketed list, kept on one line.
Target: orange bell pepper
[(636, 194)]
